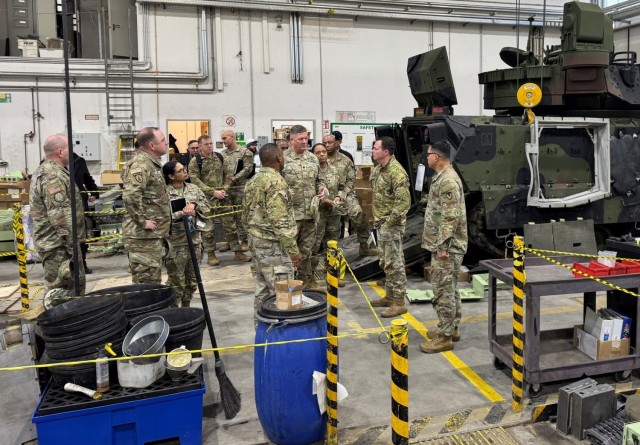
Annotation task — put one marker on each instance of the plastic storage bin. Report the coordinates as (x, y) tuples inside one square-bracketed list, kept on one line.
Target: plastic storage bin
[(124, 416)]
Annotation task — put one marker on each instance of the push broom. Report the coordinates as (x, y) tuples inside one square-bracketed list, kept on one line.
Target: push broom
[(228, 393)]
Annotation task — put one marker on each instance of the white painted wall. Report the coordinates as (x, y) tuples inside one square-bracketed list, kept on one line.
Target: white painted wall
[(348, 66)]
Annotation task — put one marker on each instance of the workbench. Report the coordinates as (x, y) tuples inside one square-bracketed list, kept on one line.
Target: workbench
[(549, 355)]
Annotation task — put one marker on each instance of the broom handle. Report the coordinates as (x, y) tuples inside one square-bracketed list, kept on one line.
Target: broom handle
[(203, 298)]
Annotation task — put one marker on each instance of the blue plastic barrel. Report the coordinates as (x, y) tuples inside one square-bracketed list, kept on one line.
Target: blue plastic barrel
[(287, 409)]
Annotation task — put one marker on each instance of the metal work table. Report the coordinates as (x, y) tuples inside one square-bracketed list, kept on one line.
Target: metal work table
[(549, 355)]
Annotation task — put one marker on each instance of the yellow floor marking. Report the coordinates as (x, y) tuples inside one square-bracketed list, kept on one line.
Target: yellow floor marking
[(467, 372)]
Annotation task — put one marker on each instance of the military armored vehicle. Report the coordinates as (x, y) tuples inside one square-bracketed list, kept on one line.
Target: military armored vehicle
[(579, 158)]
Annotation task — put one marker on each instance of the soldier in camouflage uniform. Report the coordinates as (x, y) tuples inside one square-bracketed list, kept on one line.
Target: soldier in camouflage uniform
[(178, 262), (302, 173), (205, 170), (328, 224), (445, 236), (50, 203), (348, 176), (391, 201), (238, 164), (146, 200), (267, 215)]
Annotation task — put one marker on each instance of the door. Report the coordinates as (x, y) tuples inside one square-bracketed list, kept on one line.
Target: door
[(123, 28)]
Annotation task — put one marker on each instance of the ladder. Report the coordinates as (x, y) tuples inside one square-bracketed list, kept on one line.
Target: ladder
[(119, 89)]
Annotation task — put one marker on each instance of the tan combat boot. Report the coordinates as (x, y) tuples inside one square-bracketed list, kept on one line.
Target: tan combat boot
[(365, 250), (186, 303), (241, 257), (225, 247), (244, 246), (381, 282), (440, 343), (382, 302), (212, 261), (393, 311), (455, 337), (312, 284)]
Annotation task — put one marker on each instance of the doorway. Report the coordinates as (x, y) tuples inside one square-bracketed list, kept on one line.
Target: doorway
[(182, 131)]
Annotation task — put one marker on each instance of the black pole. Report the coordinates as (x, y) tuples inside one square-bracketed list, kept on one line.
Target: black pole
[(203, 298), (72, 188)]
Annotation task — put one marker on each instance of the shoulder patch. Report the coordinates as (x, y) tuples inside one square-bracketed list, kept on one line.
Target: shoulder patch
[(55, 189), (135, 170)]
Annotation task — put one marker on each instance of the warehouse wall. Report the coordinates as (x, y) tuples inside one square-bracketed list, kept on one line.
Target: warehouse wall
[(348, 66)]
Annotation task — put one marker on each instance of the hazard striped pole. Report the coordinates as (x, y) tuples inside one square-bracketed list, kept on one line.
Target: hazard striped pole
[(399, 382), (21, 255), (333, 261), (517, 370)]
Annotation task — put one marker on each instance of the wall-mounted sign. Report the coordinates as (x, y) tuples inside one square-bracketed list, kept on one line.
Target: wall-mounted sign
[(5, 98), (91, 117)]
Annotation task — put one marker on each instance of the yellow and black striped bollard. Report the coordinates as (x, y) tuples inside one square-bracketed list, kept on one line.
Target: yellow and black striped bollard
[(399, 382), (517, 370), (21, 255), (333, 261)]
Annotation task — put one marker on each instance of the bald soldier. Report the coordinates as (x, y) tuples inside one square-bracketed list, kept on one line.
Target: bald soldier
[(50, 208), (267, 214), (146, 201), (237, 166)]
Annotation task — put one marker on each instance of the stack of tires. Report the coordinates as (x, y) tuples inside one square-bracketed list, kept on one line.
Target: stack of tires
[(76, 330), (141, 299)]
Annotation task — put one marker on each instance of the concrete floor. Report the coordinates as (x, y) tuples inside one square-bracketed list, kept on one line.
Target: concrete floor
[(451, 394)]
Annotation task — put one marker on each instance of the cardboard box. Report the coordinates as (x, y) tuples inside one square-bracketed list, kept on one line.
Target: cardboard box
[(368, 212), (111, 177), (363, 183), (463, 276), (12, 192), (598, 349), (53, 53), (365, 195), (289, 294), (363, 172)]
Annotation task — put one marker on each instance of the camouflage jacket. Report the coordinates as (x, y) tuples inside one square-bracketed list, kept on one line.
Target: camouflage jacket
[(50, 207), (445, 220), (302, 175), (391, 199), (232, 159), (190, 193), (267, 210), (209, 178), (347, 172), (145, 198), (332, 181)]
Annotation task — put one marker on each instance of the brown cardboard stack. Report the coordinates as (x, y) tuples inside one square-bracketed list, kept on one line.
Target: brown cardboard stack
[(14, 190), (364, 192), (111, 177), (289, 294)]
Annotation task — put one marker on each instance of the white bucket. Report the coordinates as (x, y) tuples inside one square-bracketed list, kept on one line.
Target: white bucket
[(132, 375)]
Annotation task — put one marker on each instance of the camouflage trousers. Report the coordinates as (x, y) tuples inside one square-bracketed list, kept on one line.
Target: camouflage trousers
[(306, 240), (58, 274), (269, 264), (233, 229), (391, 260), (209, 238), (145, 259), (327, 229), (446, 296), (182, 277), (358, 218)]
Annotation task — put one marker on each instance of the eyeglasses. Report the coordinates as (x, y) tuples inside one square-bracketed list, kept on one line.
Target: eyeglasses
[(429, 154), (181, 170)]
